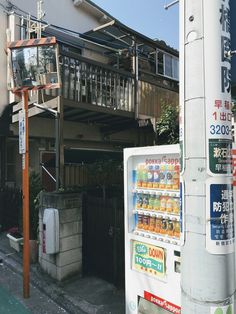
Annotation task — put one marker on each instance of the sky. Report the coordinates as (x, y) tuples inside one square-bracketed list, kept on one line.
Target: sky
[(147, 17)]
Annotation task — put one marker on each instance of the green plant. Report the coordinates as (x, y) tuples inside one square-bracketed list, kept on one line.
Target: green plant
[(35, 188), (167, 127)]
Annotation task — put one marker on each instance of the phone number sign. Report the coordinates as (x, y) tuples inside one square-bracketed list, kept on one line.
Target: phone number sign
[(220, 216), (218, 87)]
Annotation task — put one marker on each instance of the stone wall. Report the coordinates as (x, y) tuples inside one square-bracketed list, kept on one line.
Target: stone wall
[(69, 259)]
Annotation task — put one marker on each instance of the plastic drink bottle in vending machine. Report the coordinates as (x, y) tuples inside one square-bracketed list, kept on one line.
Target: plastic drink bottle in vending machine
[(139, 200), (157, 202), (145, 201), (150, 174), (140, 222), (144, 176), (176, 229), (146, 220), (169, 205), (158, 225), (151, 202), (169, 176), (139, 176), (170, 229), (163, 203), (162, 183), (175, 185), (163, 230), (156, 176), (176, 208), (152, 224)]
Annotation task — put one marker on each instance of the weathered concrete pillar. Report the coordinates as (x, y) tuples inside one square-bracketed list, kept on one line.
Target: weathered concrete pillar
[(69, 259)]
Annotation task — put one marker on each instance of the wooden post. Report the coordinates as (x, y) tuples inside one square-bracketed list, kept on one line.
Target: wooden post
[(60, 110), (25, 188)]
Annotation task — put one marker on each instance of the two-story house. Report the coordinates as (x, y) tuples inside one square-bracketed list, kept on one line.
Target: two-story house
[(114, 81)]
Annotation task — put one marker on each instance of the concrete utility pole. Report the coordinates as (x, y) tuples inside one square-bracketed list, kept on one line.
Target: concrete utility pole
[(207, 256)]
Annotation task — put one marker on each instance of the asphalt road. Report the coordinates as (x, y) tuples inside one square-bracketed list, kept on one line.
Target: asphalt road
[(12, 301)]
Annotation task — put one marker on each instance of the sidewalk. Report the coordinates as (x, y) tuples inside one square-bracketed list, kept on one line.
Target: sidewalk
[(9, 304), (79, 295)]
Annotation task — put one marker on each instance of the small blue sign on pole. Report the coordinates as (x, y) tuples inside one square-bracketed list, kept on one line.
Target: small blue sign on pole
[(22, 146), (220, 233)]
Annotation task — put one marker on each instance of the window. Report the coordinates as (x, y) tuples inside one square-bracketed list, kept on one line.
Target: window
[(175, 64), (168, 65), (160, 67)]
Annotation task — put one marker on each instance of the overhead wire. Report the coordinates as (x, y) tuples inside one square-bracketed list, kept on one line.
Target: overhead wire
[(103, 43), (84, 37)]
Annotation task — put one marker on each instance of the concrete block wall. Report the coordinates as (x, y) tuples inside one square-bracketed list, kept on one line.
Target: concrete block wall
[(68, 261)]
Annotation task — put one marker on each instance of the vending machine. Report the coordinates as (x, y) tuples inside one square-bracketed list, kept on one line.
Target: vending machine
[(153, 229)]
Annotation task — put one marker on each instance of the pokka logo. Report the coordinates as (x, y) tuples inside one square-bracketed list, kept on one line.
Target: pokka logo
[(163, 160), (163, 303)]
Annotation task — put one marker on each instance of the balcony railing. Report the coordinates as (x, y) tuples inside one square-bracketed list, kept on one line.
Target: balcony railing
[(90, 82)]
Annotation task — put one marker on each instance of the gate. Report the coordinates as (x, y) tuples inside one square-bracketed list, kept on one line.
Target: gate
[(103, 238)]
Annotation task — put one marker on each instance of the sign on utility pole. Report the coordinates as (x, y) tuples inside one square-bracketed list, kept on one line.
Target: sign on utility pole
[(207, 256), (22, 128)]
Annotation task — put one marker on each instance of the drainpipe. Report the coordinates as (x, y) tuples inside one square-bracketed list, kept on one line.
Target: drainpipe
[(136, 79)]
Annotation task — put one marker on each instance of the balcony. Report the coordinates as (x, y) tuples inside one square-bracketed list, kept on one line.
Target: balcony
[(95, 92)]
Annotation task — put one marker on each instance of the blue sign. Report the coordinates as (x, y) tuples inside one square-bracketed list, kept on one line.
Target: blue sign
[(221, 214)]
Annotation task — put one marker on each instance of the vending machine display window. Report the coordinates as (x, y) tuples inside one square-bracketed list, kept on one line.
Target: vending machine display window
[(155, 203)]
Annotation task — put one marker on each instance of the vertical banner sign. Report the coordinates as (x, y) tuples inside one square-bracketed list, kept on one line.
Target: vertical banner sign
[(218, 87), (22, 147), (220, 216)]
